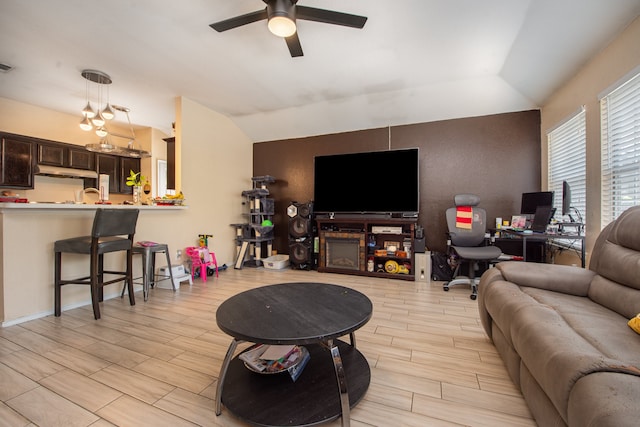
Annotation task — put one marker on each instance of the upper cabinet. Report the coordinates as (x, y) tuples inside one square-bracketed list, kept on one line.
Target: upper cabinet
[(118, 169), (171, 163), (16, 162), (19, 154), (62, 155), (127, 164)]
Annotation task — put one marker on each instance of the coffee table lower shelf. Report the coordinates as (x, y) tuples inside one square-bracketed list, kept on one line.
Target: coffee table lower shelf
[(275, 400)]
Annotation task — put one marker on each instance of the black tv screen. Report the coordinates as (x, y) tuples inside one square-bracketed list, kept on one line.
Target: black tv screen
[(377, 182)]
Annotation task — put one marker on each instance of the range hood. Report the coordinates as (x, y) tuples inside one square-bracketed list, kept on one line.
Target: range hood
[(59, 172)]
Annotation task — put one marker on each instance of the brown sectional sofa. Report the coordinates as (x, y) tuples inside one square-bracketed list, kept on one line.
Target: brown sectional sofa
[(562, 331)]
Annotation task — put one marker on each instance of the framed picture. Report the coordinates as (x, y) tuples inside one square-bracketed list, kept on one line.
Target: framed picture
[(518, 222), (390, 243)]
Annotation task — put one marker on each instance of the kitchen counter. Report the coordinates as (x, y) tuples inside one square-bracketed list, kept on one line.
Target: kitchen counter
[(82, 206), (27, 234)]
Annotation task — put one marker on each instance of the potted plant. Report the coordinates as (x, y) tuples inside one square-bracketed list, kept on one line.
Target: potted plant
[(135, 180)]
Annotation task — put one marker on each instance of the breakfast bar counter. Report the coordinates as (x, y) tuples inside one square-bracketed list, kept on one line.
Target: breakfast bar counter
[(27, 234), (8, 207)]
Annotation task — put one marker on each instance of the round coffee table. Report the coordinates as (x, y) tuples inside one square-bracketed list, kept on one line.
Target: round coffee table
[(309, 314)]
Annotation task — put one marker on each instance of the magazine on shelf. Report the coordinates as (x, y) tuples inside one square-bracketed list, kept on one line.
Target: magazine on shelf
[(266, 359)]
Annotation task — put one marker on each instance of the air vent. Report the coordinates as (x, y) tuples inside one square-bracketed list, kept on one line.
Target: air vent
[(5, 68)]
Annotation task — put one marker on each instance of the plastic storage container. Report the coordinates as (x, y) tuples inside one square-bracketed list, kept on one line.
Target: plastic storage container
[(276, 262)]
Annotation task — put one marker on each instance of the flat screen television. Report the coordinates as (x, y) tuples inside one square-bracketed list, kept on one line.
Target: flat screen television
[(531, 201), (376, 182)]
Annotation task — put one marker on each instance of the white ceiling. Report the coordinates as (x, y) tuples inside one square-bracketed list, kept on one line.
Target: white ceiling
[(414, 61)]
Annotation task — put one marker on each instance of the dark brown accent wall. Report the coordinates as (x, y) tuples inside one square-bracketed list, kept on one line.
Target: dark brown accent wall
[(496, 157)]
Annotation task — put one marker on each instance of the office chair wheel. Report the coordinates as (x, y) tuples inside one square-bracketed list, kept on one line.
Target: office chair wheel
[(445, 288), (473, 296)]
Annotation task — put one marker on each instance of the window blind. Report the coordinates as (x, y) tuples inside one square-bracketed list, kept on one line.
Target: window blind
[(567, 162), (620, 123)]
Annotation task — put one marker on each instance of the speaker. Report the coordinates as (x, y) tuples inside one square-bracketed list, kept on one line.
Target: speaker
[(301, 255), (301, 222), (301, 233), (419, 245), (300, 227)]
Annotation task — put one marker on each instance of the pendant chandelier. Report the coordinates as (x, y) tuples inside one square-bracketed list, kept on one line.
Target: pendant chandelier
[(96, 120)]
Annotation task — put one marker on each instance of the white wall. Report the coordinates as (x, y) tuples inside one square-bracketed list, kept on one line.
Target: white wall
[(606, 68)]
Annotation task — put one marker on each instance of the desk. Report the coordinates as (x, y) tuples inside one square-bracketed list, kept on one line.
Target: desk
[(310, 314), (545, 237)]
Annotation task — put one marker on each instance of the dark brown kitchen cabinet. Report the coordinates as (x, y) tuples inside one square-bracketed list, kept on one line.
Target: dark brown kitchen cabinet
[(171, 163), (118, 169), (127, 164), (109, 165), (79, 158), (16, 162), (65, 156)]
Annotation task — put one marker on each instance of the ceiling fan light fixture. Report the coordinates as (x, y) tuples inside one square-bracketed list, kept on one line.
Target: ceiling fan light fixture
[(281, 17), (282, 26)]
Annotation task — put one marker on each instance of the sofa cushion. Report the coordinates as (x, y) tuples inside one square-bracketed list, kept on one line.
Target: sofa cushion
[(616, 253), (604, 399), (619, 298), (603, 329), (553, 277)]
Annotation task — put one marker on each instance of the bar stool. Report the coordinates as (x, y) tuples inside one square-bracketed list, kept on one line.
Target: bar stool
[(109, 227), (148, 250)]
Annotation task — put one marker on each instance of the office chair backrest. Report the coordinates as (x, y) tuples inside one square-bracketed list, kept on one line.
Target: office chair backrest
[(114, 222), (467, 237)]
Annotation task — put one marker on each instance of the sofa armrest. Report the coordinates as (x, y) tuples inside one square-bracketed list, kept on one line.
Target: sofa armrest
[(553, 277)]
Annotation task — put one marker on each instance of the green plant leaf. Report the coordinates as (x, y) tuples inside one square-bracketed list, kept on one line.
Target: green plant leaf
[(134, 179)]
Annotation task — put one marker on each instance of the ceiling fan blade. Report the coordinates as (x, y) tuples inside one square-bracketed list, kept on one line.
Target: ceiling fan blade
[(239, 21), (330, 17), (293, 43)]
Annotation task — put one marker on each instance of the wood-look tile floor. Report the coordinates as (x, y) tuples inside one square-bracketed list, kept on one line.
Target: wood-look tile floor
[(156, 363)]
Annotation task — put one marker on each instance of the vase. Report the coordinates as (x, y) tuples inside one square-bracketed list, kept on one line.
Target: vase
[(137, 195)]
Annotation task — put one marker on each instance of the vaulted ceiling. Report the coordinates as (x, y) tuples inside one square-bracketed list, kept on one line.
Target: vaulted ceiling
[(414, 60)]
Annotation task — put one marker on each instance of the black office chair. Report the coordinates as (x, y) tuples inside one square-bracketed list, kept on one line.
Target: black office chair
[(110, 226), (467, 230)]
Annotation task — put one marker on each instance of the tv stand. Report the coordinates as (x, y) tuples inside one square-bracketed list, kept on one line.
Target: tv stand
[(358, 246)]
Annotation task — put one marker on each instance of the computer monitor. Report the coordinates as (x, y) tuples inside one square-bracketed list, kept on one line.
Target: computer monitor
[(531, 201), (566, 198)]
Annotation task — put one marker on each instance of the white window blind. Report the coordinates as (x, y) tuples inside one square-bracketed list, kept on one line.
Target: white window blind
[(620, 121), (567, 162)]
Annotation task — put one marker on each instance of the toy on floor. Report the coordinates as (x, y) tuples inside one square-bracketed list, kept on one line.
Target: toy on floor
[(201, 258)]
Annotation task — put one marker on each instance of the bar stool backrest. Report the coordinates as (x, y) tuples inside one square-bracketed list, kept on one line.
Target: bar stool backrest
[(114, 222)]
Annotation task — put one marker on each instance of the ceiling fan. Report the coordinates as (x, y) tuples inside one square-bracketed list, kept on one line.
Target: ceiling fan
[(282, 15)]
